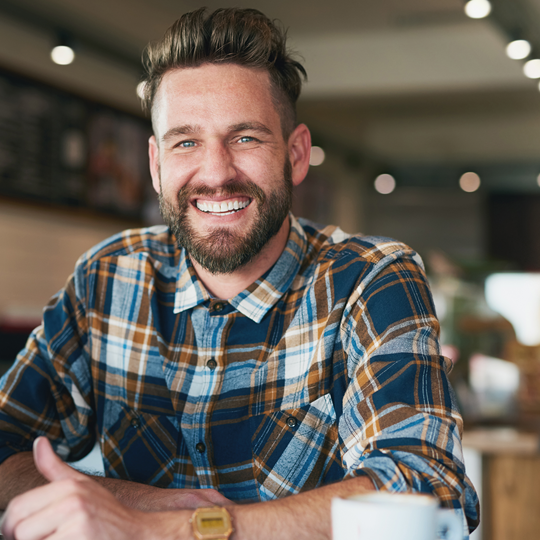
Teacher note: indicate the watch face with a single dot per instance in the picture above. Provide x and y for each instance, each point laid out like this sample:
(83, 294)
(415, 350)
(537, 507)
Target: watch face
(211, 523)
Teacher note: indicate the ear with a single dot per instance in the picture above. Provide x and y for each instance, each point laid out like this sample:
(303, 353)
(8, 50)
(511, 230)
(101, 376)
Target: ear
(299, 152)
(153, 154)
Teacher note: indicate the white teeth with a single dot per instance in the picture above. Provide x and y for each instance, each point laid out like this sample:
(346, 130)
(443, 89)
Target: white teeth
(223, 208)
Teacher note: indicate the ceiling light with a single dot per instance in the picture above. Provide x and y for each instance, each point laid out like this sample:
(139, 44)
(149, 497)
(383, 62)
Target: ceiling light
(385, 184)
(477, 9)
(317, 156)
(532, 69)
(469, 182)
(518, 49)
(62, 55)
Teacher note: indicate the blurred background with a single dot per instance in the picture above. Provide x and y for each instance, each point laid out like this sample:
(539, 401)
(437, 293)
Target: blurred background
(425, 117)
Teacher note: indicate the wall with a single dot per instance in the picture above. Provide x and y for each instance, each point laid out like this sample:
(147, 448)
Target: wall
(431, 219)
(39, 248)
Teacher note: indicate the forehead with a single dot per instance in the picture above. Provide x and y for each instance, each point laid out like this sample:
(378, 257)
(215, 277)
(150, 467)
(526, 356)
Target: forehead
(211, 95)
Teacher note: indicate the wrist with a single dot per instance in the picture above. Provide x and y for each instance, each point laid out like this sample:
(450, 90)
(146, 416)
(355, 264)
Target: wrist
(169, 525)
(211, 523)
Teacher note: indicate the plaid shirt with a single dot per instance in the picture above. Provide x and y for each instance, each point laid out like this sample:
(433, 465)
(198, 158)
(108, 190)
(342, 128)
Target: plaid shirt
(326, 367)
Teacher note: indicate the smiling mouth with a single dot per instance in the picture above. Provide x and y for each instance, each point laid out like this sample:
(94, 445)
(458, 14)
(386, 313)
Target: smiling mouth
(223, 208)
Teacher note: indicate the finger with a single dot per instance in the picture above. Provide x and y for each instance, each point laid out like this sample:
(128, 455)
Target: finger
(43, 523)
(195, 498)
(34, 501)
(216, 497)
(49, 464)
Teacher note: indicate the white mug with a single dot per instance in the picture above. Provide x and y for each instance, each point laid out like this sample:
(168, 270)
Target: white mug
(381, 515)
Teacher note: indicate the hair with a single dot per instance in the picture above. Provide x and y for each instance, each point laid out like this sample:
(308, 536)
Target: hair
(228, 35)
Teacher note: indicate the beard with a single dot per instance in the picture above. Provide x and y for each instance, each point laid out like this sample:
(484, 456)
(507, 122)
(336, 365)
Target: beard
(221, 250)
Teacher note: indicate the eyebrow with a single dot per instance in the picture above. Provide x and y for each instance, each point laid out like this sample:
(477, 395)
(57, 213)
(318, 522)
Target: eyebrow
(192, 129)
(250, 126)
(187, 129)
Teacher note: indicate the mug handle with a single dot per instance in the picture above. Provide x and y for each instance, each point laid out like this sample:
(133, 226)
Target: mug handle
(448, 520)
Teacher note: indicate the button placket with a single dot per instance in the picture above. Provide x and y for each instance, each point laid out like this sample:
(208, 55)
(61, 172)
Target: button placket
(207, 327)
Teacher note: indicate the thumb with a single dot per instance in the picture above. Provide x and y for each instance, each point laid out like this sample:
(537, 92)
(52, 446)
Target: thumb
(49, 464)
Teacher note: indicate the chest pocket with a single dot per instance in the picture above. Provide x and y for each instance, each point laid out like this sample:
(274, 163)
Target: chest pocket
(140, 446)
(295, 449)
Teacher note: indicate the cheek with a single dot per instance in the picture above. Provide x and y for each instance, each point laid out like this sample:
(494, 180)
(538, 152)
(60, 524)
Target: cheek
(174, 174)
(264, 172)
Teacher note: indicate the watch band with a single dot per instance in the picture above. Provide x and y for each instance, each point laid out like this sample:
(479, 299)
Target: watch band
(213, 523)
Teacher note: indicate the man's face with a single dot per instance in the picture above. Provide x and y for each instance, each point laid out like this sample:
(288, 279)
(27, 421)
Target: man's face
(220, 163)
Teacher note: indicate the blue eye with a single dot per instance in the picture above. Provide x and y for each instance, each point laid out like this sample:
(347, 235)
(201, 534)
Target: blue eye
(246, 139)
(187, 144)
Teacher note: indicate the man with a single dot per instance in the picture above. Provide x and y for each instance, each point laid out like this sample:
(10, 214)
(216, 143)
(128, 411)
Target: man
(238, 355)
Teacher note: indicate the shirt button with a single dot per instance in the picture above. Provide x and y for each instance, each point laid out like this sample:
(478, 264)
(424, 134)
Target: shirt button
(212, 364)
(292, 421)
(200, 447)
(135, 423)
(218, 306)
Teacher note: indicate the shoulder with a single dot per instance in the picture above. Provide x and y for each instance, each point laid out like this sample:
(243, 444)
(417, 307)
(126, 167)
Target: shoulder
(156, 243)
(331, 244)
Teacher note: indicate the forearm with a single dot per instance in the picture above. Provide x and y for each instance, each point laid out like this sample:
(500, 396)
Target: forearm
(18, 474)
(302, 516)
(305, 516)
(152, 499)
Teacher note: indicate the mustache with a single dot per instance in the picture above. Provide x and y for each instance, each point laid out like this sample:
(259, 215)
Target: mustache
(247, 189)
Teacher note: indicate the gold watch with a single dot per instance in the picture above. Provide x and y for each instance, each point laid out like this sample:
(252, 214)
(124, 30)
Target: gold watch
(211, 523)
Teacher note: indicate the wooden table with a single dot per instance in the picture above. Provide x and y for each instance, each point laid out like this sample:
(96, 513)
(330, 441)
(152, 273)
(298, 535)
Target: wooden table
(510, 500)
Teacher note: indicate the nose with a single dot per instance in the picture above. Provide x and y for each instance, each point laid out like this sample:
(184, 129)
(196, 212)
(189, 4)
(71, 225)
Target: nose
(216, 167)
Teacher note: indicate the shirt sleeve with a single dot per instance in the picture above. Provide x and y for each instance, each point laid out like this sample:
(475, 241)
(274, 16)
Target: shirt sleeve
(48, 390)
(400, 423)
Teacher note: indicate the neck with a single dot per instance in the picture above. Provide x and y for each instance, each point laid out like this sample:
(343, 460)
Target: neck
(225, 286)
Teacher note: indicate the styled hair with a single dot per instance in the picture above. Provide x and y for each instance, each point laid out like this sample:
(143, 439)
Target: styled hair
(228, 35)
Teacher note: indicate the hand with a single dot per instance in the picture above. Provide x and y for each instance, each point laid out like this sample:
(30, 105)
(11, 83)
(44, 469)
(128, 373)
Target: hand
(71, 506)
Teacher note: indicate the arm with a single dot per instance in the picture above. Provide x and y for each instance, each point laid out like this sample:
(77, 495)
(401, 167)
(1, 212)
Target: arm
(77, 504)
(50, 391)
(400, 424)
(34, 384)
(19, 475)
(303, 516)
(47, 392)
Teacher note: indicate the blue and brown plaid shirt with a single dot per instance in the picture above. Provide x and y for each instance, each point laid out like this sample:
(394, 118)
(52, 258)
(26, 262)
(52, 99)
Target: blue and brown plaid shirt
(326, 367)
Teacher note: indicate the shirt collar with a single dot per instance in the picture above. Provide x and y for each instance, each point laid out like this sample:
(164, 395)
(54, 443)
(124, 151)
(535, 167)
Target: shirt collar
(255, 301)
(190, 292)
